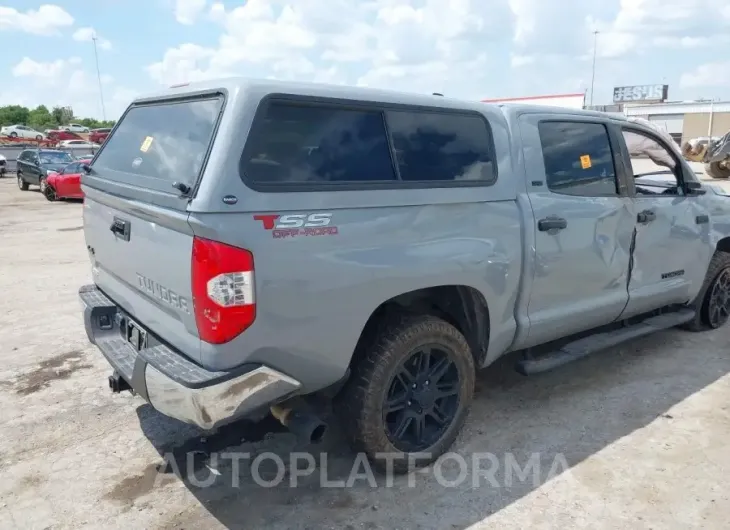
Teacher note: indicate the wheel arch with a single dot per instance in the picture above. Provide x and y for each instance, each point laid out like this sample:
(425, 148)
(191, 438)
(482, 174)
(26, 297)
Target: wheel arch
(723, 245)
(462, 306)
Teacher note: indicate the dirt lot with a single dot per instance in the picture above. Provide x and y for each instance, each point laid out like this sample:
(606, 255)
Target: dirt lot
(641, 431)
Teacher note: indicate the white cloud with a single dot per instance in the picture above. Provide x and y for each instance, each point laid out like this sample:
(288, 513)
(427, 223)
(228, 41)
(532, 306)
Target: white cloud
(27, 67)
(65, 82)
(521, 60)
(641, 24)
(460, 48)
(707, 75)
(188, 11)
(421, 45)
(46, 20)
(87, 35)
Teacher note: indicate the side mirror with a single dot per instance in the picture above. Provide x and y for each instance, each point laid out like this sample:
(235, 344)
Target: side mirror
(692, 187)
(86, 168)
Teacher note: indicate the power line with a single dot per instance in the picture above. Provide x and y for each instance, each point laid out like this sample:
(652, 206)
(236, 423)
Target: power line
(98, 76)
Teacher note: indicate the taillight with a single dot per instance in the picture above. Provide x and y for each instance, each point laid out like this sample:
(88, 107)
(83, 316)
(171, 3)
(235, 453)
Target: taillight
(223, 290)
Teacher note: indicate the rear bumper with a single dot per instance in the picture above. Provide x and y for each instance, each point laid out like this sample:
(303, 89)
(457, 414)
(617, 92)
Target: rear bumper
(173, 384)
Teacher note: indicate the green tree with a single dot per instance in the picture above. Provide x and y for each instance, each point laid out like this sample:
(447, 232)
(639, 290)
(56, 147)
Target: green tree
(40, 118)
(13, 115)
(59, 115)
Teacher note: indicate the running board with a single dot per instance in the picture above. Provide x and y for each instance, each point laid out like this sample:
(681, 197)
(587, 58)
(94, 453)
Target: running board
(600, 341)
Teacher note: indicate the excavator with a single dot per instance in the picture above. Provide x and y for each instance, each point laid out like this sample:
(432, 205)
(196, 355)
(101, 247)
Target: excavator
(714, 153)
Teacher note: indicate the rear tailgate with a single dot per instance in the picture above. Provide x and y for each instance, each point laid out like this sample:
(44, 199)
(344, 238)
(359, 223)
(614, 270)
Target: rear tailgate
(136, 222)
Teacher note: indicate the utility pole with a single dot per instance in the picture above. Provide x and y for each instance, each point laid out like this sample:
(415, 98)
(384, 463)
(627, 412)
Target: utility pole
(98, 76)
(593, 75)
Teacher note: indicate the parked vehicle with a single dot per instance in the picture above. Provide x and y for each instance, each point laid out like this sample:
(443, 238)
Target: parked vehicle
(34, 165)
(76, 128)
(259, 243)
(60, 135)
(3, 166)
(77, 143)
(98, 135)
(21, 131)
(65, 183)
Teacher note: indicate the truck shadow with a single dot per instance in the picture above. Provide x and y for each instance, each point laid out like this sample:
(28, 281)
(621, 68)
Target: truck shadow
(521, 433)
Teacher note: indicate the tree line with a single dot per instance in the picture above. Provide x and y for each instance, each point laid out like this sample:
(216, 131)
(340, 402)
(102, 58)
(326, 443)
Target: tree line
(40, 118)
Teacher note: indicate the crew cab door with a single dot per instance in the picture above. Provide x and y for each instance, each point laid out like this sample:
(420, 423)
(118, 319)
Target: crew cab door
(583, 225)
(671, 248)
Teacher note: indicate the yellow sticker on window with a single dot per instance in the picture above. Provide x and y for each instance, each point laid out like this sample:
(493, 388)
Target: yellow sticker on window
(585, 161)
(146, 144)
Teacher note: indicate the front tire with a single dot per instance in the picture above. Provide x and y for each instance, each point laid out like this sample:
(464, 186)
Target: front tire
(47, 190)
(22, 184)
(716, 171)
(410, 394)
(713, 301)
(13, 134)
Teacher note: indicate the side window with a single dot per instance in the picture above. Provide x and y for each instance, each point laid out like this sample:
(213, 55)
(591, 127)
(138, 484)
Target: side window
(431, 146)
(23, 156)
(578, 159)
(72, 169)
(654, 167)
(303, 143)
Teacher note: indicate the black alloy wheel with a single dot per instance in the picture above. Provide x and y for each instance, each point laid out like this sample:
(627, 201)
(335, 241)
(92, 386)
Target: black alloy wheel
(422, 399)
(718, 303)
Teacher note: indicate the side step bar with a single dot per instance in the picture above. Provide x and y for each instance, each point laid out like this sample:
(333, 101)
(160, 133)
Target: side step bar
(600, 341)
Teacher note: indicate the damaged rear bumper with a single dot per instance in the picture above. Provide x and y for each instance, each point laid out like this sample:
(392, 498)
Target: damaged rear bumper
(172, 383)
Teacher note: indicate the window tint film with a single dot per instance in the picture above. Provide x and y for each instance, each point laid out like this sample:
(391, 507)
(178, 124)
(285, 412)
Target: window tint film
(432, 146)
(294, 143)
(578, 159)
(165, 141)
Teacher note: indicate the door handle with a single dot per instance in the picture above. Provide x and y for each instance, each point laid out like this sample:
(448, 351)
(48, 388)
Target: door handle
(551, 223)
(647, 216)
(702, 219)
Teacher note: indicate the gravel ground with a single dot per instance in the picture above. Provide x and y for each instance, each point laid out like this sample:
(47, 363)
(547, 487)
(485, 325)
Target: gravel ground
(636, 435)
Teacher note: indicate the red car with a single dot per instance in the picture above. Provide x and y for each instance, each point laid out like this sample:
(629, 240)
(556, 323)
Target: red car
(98, 136)
(59, 135)
(66, 184)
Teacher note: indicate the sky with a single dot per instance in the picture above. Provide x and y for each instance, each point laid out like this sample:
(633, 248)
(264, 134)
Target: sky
(471, 49)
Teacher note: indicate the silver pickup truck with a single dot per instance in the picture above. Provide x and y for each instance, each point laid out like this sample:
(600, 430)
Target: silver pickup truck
(257, 243)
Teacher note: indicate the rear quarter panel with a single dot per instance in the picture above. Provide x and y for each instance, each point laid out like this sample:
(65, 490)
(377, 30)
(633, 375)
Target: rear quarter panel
(315, 293)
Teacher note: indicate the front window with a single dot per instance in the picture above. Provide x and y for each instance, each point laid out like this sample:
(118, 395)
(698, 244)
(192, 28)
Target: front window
(655, 168)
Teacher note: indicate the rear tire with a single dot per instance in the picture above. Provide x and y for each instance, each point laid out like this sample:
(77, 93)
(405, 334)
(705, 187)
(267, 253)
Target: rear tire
(410, 394)
(713, 301)
(22, 184)
(39, 138)
(716, 171)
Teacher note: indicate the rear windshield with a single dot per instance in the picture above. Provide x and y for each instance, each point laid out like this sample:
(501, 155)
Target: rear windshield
(166, 142)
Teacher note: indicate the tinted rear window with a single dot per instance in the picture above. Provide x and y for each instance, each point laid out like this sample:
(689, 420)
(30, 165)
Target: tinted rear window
(438, 146)
(298, 143)
(305, 143)
(578, 158)
(163, 141)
